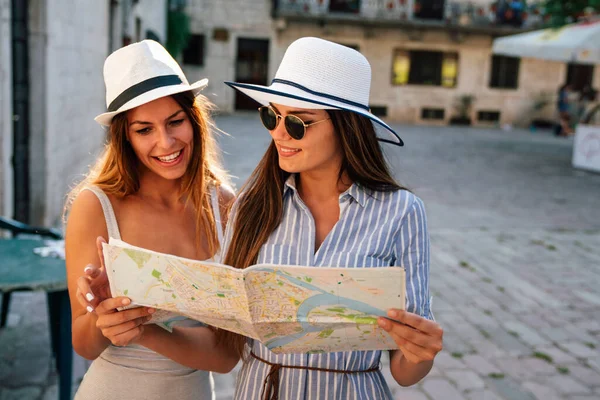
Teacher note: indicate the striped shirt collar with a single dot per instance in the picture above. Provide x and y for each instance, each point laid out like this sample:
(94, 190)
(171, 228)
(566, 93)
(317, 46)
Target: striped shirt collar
(355, 191)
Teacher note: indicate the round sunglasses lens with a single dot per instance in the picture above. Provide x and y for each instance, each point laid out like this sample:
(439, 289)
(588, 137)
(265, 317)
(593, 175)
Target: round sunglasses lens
(294, 127)
(268, 118)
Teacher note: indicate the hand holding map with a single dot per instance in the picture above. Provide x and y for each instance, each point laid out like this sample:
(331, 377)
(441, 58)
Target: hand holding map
(290, 309)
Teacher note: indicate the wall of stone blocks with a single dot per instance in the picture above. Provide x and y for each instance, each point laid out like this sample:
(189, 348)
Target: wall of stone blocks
(404, 103)
(249, 19)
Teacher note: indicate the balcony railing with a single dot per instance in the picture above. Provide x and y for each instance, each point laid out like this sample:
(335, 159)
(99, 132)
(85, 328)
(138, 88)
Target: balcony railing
(481, 15)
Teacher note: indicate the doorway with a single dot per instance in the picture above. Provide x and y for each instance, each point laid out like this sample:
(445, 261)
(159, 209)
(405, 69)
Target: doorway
(251, 66)
(580, 75)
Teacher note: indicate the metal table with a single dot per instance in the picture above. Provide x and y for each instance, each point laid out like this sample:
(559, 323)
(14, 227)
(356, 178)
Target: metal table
(22, 269)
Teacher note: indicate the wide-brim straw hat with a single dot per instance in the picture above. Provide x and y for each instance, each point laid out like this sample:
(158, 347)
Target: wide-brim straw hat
(319, 74)
(140, 73)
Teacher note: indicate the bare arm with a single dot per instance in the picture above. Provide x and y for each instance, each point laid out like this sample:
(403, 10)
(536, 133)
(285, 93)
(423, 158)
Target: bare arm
(86, 223)
(193, 347)
(405, 372)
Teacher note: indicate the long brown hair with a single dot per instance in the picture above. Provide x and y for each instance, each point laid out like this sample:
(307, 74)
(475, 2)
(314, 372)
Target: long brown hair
(117, 173)
(260, 206)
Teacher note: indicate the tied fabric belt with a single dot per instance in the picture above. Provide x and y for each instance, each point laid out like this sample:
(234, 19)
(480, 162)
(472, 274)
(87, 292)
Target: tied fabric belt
(270, 389)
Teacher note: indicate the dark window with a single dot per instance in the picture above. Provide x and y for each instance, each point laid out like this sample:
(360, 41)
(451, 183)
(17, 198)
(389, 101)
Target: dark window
(432, 68)
(433, 113)
(505, 72)
(580, 76)
(380, 111)
(194, 52)
(346, 6)
(430, 9)
(251, 66)
(488, 116)
(425, 68)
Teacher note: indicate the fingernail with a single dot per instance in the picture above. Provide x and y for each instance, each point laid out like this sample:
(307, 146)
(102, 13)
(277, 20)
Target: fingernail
(148, 318)
(382, 322)
(393, 314)
(87, 270)
(126, 301)
(151, 311)
(89, 297)
(89, 309)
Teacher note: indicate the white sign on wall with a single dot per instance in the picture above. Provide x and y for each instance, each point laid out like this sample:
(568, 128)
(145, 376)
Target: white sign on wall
(586, 149)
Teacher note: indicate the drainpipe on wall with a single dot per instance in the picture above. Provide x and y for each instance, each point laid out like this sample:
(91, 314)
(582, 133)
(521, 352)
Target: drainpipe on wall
(20, 84)
(111, 23)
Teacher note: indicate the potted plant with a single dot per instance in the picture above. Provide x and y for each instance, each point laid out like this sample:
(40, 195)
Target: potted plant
(463, 106)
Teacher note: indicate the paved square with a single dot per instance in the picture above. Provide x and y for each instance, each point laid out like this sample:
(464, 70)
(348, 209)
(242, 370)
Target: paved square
(515, 270)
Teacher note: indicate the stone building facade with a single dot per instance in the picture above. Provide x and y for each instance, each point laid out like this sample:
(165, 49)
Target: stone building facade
(425, 63)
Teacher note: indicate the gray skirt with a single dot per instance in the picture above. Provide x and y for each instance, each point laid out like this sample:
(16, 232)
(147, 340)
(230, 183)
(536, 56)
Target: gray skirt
(136, 373)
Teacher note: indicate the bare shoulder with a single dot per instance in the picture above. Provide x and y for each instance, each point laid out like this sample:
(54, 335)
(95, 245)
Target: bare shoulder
(86, 218)
(85, 203)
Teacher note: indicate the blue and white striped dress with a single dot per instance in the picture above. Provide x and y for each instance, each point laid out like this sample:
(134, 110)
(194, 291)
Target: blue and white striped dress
(375, 229)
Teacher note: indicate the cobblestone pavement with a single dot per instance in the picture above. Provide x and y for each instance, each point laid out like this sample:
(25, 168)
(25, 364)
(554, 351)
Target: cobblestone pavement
(515, 270)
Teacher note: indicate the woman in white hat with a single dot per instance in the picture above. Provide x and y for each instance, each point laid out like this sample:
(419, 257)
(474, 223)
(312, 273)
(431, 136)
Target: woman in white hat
(158, 185)
(323, 195)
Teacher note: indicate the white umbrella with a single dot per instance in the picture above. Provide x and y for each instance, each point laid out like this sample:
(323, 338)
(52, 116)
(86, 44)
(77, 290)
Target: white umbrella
(578, 43)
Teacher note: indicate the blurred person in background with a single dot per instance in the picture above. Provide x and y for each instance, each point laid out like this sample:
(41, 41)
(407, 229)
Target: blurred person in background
(564, 108)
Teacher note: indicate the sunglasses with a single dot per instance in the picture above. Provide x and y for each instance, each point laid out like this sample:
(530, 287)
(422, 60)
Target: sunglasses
(294, 126)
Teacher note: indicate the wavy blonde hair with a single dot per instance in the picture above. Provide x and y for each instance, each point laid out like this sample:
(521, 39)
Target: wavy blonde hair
(116, 171)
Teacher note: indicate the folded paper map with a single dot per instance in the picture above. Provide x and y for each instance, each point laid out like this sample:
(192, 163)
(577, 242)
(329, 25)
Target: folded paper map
(290, 309)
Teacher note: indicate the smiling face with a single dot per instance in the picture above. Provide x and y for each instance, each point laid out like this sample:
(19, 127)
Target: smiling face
(161, 135)
(319, 149)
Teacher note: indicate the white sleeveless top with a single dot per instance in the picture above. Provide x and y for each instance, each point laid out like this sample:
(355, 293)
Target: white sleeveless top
(135, 372)
(111, 220)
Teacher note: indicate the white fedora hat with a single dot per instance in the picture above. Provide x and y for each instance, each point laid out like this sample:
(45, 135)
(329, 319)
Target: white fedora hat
(319, 74)
(140, 73)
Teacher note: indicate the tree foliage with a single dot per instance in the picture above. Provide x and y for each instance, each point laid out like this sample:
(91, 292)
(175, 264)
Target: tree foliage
(562, 12)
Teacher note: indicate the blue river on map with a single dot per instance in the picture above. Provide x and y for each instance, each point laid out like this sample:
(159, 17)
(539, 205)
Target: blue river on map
(318, 300)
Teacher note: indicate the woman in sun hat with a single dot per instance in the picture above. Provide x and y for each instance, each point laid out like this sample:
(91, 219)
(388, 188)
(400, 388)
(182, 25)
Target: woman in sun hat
(158, 185)
(323, 195)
